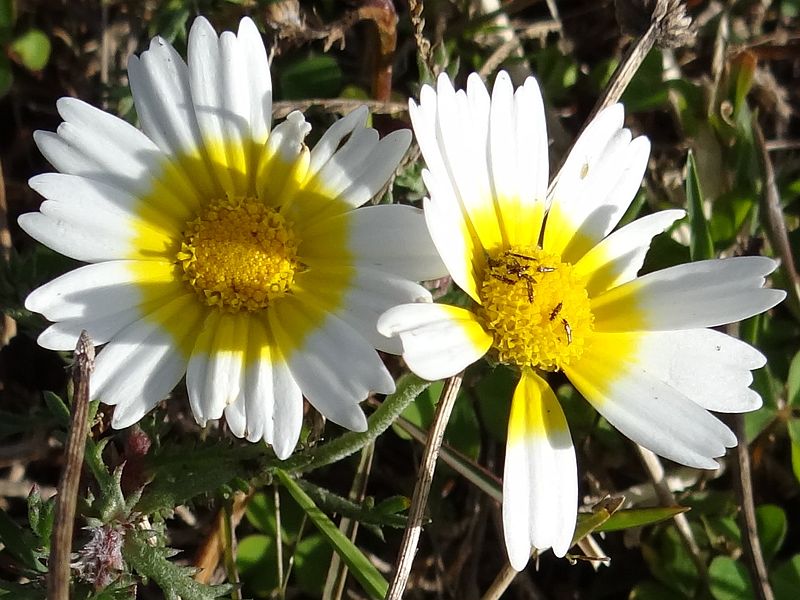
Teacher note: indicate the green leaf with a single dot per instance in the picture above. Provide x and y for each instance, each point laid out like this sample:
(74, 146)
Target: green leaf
(333, 503)
(794, 439)
(363, 570)
(313, 77)
(58, 408)
(793, 382)
(637, 517)
(41, 514)
(33, 49)
(20, 543)
(174, 581)
(256, 559)
(728, 579)
(785, 579)
(7, 15)
(772, 526)
(701, 246)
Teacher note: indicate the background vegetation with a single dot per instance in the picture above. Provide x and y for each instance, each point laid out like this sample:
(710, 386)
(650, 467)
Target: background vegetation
(165, 498)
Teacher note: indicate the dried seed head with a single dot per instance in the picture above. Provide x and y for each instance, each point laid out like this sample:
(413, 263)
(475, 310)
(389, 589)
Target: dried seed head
(673, 27)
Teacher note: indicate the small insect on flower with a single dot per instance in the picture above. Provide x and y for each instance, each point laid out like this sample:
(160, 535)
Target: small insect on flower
(639, 349)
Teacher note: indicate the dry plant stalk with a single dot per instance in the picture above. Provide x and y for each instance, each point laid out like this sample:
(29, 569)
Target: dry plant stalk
(419, 500)
(58, 578)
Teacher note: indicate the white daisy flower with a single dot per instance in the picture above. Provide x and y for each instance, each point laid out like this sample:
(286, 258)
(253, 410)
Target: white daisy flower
(223, 249)
(555, 290)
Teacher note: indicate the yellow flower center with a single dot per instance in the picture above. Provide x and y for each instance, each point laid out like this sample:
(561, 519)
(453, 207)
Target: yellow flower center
(239, 254)
(535, 307)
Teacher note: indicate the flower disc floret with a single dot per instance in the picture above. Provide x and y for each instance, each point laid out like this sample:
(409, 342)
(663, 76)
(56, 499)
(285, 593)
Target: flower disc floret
(535, 307)
(239, 254)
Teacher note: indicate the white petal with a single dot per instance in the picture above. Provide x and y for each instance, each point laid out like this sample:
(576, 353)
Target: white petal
(597, 184)
(130, 171)
(701, 294)
(333, 136)
(438, 340)
(388, 237)
(260, 81)
(220, 94)
(375, 171)
(236, 417)
(92, 242)
(64, 334)
(452, 132)
(143, 362)
(100, 289)
(287, 420)
(283, 148)
(540, 480)
(215, 373)
(618, 258)
(518, 164)
(371, 294)
(707, 366)
(159, 81)
(334, 366)
(341, 170)
(647, 410)
(532, 143)
(274, 403)
(451, 235)
(95, 144)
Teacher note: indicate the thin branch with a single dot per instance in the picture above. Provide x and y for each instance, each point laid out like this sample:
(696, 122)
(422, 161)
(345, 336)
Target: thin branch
(500, 584)
(419, 500)
(61, 544)
(337, 570)
(667, 27)
(751, 547)
(655, 469)
(775, 224)
(337, 106)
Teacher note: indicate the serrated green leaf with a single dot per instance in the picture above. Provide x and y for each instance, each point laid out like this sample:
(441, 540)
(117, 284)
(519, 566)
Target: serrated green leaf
(637, 517)
(701, 247)
(728, 579)
(41, 514)
(333, 503)
(33, 49)
(361, 568)
(175, 581)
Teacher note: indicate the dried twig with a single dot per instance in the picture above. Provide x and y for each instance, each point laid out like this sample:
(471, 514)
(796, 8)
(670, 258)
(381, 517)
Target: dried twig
(773, 221)
(416, 513)
(660, 23)
(655, 469)
(337, 571)
(415, 9)
(338, 106)
(61, 544)
(751, 547)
